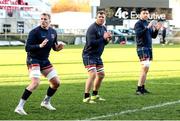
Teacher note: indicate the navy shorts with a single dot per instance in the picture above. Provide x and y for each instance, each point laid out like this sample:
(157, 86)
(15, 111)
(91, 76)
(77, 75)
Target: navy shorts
(144, 53)
(88, 61)
(44, 64)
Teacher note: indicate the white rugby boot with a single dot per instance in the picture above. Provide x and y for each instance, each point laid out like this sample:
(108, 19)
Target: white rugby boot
(20, 111)
(47, 105)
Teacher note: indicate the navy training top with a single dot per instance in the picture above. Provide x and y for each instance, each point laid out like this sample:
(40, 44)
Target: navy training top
(36, 37)
(95, 42)
(144, 35)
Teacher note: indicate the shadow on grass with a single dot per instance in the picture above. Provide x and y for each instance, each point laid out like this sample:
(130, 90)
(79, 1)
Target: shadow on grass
(120, 96)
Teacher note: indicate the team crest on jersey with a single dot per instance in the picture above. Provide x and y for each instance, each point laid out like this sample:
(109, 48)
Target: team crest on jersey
(52, 36)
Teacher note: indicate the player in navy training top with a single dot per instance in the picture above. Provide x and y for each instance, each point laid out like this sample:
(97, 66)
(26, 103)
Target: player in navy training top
(38, 46)
(144, 34)
(96, 39)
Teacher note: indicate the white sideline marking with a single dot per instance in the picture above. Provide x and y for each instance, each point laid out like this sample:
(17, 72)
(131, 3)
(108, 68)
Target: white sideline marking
(164, 83)
(135, 110)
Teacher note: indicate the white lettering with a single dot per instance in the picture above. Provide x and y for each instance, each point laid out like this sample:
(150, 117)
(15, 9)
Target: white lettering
(118, 13)
(133, 15)
(121, 14)
(125, 15)
(157, 16)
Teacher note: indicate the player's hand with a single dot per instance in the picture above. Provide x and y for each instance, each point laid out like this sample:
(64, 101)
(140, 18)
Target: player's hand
(158, 25)
(43, 43)
(107, 36)
(151, 24)
(59, 46)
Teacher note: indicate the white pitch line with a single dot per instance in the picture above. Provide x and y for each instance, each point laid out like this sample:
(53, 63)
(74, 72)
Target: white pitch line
(164, 83)
(135, 110)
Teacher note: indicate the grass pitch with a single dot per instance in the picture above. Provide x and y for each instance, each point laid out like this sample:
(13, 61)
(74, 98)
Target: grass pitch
(122, 72)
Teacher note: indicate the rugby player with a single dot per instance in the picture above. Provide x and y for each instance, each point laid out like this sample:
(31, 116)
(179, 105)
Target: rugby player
(144, 34)
(38, 46)
(96, 39)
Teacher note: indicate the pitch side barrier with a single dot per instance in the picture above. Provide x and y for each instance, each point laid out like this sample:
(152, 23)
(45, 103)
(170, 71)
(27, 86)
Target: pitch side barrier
(10, 38)
(70, 38)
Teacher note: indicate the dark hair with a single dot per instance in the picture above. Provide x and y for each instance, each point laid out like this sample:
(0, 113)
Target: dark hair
(143, 9)
(46, 14)
(101, 12)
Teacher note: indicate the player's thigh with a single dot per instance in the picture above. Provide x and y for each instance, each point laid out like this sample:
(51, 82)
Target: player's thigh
(144, 53)
(48, 71)
(33, 68)
(90, 63)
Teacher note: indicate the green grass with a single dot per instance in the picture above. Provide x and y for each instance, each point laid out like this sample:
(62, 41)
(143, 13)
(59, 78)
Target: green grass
(122, 72)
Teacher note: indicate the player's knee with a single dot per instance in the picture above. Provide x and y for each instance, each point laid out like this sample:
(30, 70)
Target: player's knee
(146, 69)
(101, 74)
(92, 73)
(34, 84)
(55, 83)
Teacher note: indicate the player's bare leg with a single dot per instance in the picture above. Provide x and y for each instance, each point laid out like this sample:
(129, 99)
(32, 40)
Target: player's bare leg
(54, 81)
(35, 74)
(88, 85)
(98, 80)
(96, 86)
(97, 83)
(141, 82)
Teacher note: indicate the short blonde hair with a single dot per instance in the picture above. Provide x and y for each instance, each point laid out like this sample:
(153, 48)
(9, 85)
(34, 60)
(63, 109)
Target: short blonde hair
(46, 14)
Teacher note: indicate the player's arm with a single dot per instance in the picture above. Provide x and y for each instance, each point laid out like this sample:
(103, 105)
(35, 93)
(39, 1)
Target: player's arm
(59, 47)
(30, 44)
(140, 30)
(156, 29)
(56, 46)
(92, 37)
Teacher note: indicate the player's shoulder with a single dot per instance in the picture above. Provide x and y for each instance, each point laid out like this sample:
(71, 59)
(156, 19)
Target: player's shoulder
(138, 23)
(52, 30)
(91, 28)
(34, 30)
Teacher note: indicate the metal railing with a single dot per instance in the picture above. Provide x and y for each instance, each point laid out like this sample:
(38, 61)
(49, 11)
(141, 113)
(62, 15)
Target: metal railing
(66, 38)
